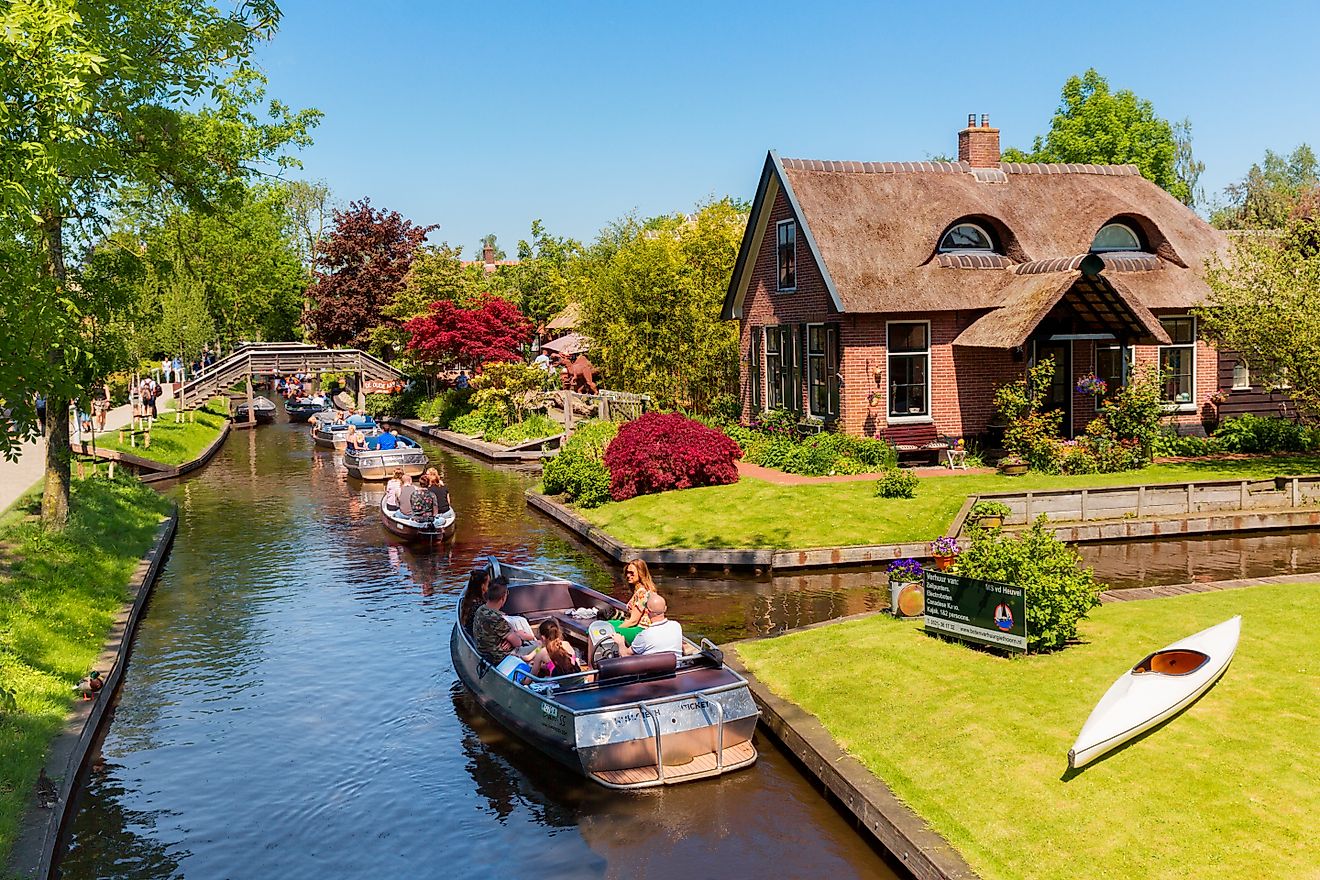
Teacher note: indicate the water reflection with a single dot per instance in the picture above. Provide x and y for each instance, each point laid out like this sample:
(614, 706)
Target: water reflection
(1189, 560)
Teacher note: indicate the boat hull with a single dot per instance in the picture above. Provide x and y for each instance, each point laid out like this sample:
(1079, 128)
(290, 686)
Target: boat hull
(303, 412)
(1140, 701)
(380, 464)
(411, 532)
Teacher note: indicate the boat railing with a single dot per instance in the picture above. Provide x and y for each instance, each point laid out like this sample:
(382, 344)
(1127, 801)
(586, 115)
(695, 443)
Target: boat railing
(659, 745)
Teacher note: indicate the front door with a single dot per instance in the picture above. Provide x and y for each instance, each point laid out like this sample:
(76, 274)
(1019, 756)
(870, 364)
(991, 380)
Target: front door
(1059, 394)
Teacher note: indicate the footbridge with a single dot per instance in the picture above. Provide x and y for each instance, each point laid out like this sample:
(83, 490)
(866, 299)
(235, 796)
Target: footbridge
(268, 358)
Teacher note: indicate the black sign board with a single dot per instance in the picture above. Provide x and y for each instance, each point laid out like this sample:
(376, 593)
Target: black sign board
(974, 610)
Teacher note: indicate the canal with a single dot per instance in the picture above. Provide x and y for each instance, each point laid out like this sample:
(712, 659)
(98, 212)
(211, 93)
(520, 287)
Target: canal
(290, 710)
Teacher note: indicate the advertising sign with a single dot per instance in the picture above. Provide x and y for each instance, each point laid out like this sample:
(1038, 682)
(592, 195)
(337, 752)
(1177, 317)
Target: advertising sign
(985, 612)
(372, 386)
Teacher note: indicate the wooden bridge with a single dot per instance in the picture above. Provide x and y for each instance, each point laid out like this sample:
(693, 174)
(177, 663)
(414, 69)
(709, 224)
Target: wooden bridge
(284, 358)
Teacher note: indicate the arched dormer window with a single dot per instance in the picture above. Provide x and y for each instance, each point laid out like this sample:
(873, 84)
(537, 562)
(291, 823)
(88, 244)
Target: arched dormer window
(967, 238)
(1116, 237)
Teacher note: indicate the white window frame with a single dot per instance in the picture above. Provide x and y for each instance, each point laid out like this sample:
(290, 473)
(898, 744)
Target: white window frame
(1190, 405)
(778, 226)
(929, 417)
(767, 396)
(1245, 384)
(1132, 230)
(979, 228)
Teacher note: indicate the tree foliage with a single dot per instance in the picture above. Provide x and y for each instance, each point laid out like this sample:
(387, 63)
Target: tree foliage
(362, 266)
(449, 334)
(1274, 190)
(547, 272)
(652, 299)
(1095, 125)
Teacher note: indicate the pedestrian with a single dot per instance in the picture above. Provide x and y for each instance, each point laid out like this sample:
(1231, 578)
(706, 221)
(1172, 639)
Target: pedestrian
(101, 404)
(148, 390)
(41, 414)
(178, 368)
(165, 366)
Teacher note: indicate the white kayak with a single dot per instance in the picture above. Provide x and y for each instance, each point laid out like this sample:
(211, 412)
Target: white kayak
(1157, 688)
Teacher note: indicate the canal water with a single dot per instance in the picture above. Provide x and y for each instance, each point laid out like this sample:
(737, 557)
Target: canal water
(290, 709)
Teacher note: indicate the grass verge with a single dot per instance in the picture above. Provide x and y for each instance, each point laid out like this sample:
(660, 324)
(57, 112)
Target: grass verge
(58, 594)
(173, 444)
(756, 514)
(977, 744)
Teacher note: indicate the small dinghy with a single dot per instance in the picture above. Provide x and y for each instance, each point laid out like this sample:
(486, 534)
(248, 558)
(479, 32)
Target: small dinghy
(1157, 688)
(632, 722)
(380, 464)
(262, 409)
(301, 409)
(400, 524)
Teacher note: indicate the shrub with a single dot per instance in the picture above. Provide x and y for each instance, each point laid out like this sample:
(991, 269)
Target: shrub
(591, 438)
(445, 407)
(1134, 411)
(483, 421)
(584, 481)
(662, 451)
(510, 387)
(1249, 433)
(1170, 443)
(403, 405)
(897, 483)
(531, 428)
(1060, 592)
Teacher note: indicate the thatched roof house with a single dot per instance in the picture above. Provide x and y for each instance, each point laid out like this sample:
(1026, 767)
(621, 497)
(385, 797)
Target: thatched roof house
(894, 296)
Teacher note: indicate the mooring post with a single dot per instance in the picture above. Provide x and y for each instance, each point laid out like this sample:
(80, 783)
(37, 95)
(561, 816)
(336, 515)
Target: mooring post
(361, 391)
(252, 413)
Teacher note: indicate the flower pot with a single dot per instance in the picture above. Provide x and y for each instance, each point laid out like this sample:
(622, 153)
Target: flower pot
(1013, 470)
(990, 522)
(944, 563)
(907, 598)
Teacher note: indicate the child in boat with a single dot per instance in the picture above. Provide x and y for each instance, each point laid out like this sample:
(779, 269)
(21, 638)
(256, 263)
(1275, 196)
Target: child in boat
(554, 655)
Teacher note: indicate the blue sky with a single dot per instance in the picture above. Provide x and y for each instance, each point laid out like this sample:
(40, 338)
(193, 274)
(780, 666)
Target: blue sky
(484, 116)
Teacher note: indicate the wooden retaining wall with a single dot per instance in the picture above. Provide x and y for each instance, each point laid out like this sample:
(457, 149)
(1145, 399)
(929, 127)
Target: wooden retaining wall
(547, 447)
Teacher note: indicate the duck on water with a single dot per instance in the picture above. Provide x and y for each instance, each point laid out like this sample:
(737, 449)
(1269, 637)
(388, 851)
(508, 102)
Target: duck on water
(634, 721)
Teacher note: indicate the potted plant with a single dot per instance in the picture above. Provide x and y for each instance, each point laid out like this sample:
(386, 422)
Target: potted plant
(989, 514)
(1012, 465)
(945, 550)
(907, 597)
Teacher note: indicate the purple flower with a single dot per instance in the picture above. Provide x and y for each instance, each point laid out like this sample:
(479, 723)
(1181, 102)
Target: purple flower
(905, 570)
(944, 546)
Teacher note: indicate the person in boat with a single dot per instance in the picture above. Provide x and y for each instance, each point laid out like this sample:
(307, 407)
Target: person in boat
(422, 507)
(406, 496)
(473, 596)
(339, 416)
(438, 490)
(643, 587)
(553, 655)
(356, 439)
(494, 636)
(392, 490)
(387, 439)
(662, 635)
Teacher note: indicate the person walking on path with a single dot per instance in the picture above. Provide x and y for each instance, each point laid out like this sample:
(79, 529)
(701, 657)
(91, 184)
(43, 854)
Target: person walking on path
(101, 405)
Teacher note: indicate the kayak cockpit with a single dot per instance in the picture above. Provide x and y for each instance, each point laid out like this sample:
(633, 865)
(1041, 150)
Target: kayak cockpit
(1179, 661)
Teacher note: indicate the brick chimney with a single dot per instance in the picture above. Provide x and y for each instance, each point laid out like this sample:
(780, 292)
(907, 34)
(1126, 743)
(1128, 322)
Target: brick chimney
(488, 250)
(978, 145)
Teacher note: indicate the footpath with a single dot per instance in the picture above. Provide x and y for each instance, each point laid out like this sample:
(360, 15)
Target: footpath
(16, 477)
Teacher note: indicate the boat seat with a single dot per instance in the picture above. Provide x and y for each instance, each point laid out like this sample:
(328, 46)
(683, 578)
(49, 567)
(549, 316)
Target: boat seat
(659, 664)
(526, 599)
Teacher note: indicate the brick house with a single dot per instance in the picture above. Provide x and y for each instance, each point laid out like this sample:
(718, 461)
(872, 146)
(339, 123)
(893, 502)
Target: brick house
(892, 298)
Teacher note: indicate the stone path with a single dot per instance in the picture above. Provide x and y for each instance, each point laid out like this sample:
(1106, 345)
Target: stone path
(16, 477)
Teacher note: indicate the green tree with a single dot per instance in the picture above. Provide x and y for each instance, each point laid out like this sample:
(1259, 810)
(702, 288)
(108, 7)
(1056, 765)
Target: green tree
(101, 95)
(547, 273)
(1271, 192)
(1094, 125)
(437, 274)
(651, 304)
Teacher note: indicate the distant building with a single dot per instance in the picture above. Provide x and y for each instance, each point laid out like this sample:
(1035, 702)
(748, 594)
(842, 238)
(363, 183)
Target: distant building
(488, 263)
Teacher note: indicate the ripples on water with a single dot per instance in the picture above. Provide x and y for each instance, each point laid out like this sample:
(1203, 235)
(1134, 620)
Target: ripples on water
(290, 710)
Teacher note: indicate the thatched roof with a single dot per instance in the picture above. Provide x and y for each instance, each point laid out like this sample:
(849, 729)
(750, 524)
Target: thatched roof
(875, 227)
(569, 318)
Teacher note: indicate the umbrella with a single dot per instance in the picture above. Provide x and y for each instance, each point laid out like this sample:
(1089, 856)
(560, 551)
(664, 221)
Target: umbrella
(573, 343)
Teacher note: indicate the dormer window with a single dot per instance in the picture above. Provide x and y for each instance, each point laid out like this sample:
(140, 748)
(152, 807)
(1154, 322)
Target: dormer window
(1116, 237)
(966, 238)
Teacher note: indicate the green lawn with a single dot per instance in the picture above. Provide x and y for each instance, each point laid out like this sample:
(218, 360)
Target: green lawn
(172, 444)
(977, 745)
(754, 513)
(57, 598)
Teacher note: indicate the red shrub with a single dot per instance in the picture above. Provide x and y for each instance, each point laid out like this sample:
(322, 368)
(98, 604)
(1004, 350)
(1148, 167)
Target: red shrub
(662, 451)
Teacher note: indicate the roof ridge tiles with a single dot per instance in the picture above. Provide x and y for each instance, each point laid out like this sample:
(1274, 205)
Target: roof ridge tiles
(932, 166)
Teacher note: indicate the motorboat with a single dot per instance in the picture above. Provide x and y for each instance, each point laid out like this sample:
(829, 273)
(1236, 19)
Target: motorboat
(400, 524)
(301, 409)
(631, 722)
(262, 410)
(1156, 689)
(380, 464)
(334, 435)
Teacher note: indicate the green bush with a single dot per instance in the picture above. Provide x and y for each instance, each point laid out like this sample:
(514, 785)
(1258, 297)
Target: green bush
(578, 471)
(482, 421)
(1249, 433)
(816, 455)
(897, 483)
(1134, 412)
(590, 438)
(1060, 592)
(530, 428)
(1170, 443)
(403, 405)
(445, 407)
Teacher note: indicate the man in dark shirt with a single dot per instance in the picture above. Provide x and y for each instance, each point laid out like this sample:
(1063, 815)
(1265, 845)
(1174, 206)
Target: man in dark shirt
(494, 637)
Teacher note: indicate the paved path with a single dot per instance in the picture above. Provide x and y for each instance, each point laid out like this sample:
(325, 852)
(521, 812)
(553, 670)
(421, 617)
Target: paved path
(16, 477)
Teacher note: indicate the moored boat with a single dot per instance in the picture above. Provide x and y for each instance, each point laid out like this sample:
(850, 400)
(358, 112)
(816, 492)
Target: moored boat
(400, 524)
(334, 435)
(380, 464)
(262, 409)
(632, 722)
(301, 409)
(1156, 689)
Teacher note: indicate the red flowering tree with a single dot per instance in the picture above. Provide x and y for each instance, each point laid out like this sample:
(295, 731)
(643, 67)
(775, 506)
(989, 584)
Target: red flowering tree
(449, 333)
(662, 451)
(361, 266)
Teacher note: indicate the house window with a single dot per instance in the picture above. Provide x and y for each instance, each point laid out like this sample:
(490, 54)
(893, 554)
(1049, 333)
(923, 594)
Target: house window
(1115, 237)
(823, 370)
(1178, 363)
(754, 366)
(774, 368)
(966, 238)
(787, 254)
(909, 370)
(1241, 376)
(1113, 363)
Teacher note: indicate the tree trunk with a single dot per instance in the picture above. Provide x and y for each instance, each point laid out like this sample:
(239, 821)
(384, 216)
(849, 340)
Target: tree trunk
(55, 495)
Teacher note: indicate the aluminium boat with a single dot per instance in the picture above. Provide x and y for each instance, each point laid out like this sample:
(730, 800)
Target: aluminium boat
(380, 464)
(262, 409)
(334, 435)
(1156, 689)
(403, 526)
(632, 722)
(301, 409)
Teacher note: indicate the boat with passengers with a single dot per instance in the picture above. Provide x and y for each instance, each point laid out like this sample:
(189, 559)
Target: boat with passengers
(374, 463)
(302, 409)
(334, 435)
(636, 721)
(401, 525)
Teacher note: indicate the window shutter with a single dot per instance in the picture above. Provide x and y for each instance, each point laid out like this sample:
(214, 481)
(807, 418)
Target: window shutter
(754, 368)
(833, 359)
(799, 367)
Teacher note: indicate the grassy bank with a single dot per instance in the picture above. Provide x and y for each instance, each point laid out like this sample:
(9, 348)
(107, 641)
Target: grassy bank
(57, 597)
(173, 444)
(754, 513)
(977, 745)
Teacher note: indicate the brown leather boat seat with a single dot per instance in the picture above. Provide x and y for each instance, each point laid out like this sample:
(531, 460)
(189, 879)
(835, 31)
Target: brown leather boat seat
(659, 664)
(545, 596)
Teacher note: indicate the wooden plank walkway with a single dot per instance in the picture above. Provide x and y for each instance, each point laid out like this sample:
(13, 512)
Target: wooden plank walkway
(1171, 590)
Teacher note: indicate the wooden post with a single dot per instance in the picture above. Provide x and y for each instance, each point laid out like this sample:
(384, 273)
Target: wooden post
(1190, 489)
(1296, 493)
(1083, 505)
(1028, 510)
(1141, 500)
(1242, 497)
(252, 413)
(361, 391)
(112, 469)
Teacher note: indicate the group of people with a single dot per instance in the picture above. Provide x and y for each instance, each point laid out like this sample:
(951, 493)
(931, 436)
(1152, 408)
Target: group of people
(386, 439)
(420, 501)
(644, 629)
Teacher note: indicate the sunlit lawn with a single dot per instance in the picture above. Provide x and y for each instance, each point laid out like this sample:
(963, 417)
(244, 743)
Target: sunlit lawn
(57, 598)
(171, 443)
(755, 513)
(977, 745)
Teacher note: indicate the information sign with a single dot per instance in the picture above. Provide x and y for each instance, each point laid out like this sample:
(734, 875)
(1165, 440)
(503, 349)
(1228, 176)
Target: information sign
(974, 610)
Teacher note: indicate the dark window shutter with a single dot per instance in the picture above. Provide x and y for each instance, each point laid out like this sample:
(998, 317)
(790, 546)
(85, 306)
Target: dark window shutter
(833, 359)
(754, 367)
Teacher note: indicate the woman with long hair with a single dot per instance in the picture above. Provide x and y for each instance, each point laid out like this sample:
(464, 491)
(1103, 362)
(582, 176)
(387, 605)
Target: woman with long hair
(553, 656)
(473, 595)
(637, 618)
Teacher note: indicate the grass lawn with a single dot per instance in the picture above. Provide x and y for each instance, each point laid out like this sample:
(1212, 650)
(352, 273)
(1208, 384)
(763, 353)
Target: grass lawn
(57, 597)
(172, 444)
(754, 513)
(977, 744)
